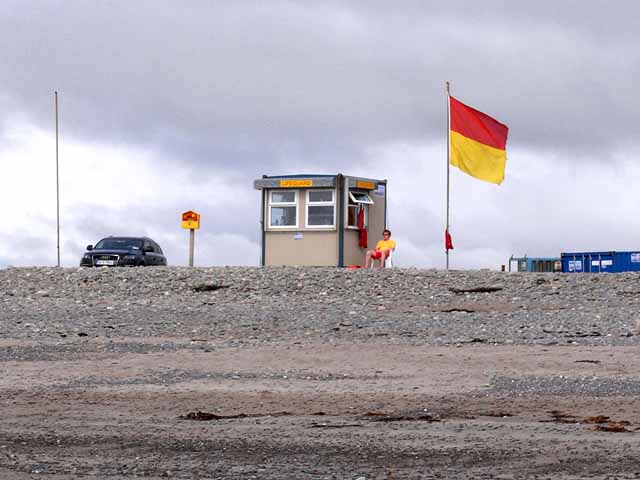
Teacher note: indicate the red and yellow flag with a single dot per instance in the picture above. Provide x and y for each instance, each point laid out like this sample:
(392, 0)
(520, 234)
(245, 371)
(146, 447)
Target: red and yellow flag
(477, 142)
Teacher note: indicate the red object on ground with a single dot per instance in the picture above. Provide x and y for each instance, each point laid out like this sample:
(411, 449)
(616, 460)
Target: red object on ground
(362, 242)
(448, 242)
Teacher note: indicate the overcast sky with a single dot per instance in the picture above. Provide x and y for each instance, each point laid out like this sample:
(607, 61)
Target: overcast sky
(168, 106)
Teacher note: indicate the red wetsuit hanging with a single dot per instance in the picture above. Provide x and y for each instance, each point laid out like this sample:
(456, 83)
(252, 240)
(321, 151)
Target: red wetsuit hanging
(363, 231)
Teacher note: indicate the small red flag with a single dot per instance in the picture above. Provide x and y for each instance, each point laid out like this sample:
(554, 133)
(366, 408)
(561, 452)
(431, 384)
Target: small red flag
(448, 242)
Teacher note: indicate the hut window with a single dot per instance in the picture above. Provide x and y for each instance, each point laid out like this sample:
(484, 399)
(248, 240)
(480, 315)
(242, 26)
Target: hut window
(321, 208)
(357, 200)
(360, 197)
(283, 208)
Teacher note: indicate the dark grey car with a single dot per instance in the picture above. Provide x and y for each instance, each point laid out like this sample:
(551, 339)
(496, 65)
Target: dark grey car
(123, 252)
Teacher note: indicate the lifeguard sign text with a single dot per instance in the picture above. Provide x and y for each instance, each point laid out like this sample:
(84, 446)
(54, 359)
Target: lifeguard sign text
(190, 220)
(296, 183)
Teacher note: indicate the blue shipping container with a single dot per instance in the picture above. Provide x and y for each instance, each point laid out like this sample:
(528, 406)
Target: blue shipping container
(600, 262)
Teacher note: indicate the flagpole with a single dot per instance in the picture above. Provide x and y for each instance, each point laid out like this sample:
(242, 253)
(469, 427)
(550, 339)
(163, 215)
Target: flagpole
(448, 154)
(57, 184)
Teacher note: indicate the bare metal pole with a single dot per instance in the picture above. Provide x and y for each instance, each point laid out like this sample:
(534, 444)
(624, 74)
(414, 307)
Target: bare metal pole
(192, 241)
(57, 185)
(448, 155)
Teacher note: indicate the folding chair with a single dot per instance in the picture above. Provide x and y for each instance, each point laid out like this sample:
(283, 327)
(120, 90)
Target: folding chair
(388, 262)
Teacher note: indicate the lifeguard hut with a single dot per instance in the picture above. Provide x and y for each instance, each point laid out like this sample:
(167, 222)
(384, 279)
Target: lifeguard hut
(318, 220)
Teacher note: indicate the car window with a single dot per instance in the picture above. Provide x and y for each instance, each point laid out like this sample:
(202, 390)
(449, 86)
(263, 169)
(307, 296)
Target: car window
(115, 243)
(158, 249)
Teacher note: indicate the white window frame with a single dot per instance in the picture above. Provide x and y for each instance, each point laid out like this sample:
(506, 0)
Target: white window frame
(365, 204)
(271, 203)
(368, 200)
(332, 203)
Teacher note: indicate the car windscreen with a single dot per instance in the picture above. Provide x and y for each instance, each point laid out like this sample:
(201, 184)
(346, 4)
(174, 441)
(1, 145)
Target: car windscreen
(119, 244)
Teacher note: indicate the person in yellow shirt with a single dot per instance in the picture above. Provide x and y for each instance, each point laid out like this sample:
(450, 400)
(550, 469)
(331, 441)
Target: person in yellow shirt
(383, 248)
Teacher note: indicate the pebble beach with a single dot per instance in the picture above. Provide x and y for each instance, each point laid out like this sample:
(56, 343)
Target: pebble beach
(477, 351)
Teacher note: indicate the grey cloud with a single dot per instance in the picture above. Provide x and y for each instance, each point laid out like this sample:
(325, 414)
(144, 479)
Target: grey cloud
(243, 84)
(23, 248)
(87, 227)
(144, 219)
(247, 88)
